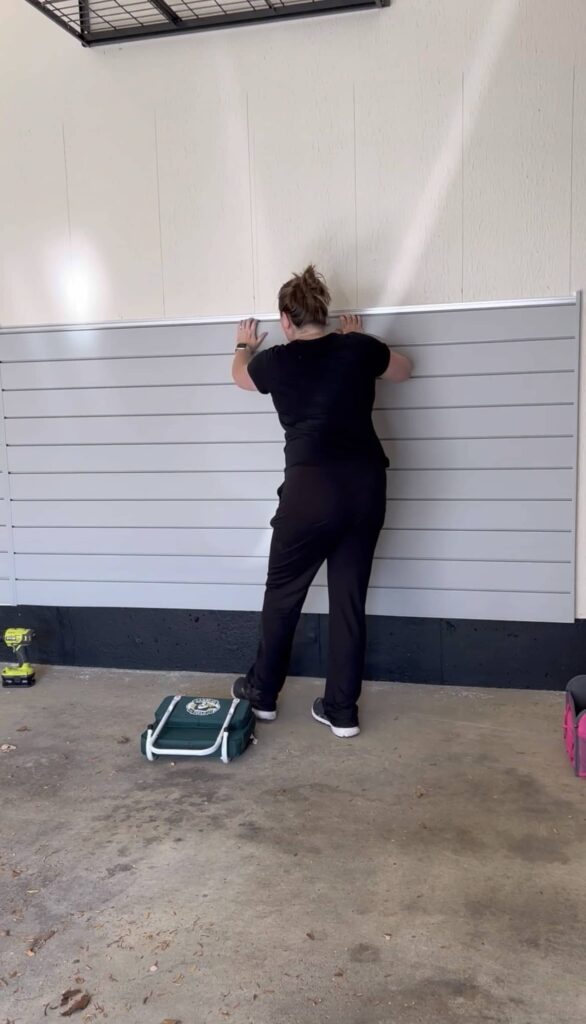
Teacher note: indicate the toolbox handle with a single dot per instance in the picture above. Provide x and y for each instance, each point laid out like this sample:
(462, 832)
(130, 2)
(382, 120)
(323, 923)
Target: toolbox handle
(221, 739)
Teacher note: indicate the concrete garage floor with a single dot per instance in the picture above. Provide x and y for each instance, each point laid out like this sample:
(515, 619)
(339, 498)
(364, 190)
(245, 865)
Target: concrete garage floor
(431, 872)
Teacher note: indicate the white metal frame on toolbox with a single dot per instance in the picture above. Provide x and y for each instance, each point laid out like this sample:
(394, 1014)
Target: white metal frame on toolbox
(562, 300)
(153, 752)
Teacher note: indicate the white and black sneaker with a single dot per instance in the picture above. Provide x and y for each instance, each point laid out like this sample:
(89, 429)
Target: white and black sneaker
(242, 689)
(343, 732)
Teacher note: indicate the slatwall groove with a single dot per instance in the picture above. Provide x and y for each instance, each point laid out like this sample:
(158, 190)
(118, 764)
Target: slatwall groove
(447, 454)
(137, 470)
(416, 545)
(448, 343)
(441, 590)
(217, 383)
(479, 590)
(472, 529)
(481, 561)
(491, 373)
(260, 412)
(398, 424)
(227, 400)
(394, 529)
(470, 605)
(463, 360)
(520, 577)
(229, 349)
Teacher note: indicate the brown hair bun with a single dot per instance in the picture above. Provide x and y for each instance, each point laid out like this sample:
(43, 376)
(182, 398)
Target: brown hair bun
(305, 298)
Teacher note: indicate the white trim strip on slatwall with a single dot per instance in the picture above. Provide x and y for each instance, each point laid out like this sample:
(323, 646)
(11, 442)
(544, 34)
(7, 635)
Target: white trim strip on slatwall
(577, 442)
(7, 502)
(565, 300)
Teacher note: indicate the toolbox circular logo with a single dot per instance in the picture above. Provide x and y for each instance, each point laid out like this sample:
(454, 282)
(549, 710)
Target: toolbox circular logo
(203, 706)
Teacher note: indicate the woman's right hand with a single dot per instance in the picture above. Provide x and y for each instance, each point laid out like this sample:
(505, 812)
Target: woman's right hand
(246, 334)
(351, 323)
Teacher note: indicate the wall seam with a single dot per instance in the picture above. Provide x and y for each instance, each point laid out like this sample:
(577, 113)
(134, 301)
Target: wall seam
(252, 205)
(67, 201)
(463, 182)
(163, 290)
(572, 146)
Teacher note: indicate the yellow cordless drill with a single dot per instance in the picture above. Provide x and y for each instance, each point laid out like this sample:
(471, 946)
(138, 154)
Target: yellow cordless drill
(23, 673)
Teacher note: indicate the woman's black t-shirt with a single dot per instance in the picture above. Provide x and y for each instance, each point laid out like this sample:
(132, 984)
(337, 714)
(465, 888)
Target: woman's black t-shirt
(323, 391)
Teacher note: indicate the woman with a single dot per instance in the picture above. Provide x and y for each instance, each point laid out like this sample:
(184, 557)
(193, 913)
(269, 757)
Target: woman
(332, 502)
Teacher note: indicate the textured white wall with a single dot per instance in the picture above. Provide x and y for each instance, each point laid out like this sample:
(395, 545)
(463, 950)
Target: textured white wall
(431, 152)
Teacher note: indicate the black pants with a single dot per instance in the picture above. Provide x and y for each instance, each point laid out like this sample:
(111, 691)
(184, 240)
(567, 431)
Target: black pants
(331, 514)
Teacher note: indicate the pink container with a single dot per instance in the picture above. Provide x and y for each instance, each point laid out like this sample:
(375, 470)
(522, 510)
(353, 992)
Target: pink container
(575, 724)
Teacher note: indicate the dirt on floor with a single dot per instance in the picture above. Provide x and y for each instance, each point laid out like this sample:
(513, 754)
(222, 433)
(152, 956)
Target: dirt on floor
(432, 871)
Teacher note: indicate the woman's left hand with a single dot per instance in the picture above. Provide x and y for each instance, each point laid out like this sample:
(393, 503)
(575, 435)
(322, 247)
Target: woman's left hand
(246, 334)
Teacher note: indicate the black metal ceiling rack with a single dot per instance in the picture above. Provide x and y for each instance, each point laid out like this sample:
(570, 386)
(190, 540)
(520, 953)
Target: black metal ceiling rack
(97, 22)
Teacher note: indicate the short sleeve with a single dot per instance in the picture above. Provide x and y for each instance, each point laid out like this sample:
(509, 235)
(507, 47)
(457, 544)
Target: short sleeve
(378, 355)
(261, 371)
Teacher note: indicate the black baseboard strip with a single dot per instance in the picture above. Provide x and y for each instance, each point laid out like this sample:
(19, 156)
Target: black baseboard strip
(522, 655)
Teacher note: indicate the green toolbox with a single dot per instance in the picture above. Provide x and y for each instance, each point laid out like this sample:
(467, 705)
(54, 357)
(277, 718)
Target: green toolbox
(199, 727)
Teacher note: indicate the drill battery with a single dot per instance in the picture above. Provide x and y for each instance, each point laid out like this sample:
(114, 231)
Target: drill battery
(23, 673)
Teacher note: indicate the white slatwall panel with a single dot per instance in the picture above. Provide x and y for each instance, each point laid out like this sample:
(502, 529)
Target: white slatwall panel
(495, 391)
(266, 459)
(534, 607)
(38, 482)
(508, 515)
(402, 423)
(542, 356)
(7, 569)
(139, 475)
(425, 544)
